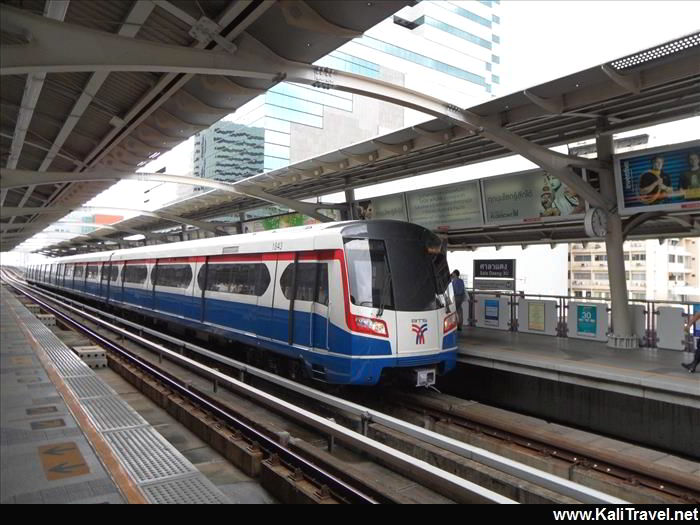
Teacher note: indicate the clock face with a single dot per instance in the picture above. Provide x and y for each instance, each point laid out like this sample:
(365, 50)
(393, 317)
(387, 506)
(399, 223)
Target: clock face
(596, 223)
(599, 222)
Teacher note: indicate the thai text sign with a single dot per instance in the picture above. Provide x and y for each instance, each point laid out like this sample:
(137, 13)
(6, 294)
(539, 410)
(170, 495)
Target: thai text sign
(447, 207)
(501, 268)
(531, 196)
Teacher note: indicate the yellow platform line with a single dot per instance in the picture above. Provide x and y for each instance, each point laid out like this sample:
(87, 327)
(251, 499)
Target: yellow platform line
(128, 487)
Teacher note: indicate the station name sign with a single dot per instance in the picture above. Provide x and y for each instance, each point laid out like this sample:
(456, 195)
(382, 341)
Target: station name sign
(494, 268)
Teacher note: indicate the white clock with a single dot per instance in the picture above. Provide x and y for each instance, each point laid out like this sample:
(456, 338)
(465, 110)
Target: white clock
(595, 222)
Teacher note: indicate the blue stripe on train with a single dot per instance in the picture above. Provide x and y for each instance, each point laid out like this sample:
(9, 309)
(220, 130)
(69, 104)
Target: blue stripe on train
(271, 325)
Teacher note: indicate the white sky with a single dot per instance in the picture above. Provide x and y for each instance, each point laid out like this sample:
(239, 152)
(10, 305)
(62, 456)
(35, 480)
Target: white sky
(540, 41)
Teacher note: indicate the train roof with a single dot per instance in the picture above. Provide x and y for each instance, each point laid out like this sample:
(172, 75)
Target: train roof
(324, 236)
(245, 242)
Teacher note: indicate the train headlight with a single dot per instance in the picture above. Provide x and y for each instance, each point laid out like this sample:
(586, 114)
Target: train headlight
(369, 326)
(450, 323)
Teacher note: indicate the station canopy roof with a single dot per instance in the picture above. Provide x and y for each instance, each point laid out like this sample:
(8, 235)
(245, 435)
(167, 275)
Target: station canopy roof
(653, 86)
(80, 121)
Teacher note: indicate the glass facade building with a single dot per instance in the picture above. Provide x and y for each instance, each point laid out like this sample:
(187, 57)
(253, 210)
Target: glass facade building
(446, 48)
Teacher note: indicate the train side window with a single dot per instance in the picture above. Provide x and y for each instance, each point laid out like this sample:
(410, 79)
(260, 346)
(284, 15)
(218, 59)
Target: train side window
(79, 272)
(69, 272)
(135, 274)
(104, 272)
(172, 275)
(245, 279)
(306, 282)
(322, 291)
(92, 272)
(114, 273)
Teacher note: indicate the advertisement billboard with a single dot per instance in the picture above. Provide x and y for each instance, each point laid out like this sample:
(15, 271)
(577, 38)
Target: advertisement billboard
(535, 316)
(659, 179)
(491, 312)
(386, 207)
(586, 320)
(447, 207)
(284, 221)
(529, 196)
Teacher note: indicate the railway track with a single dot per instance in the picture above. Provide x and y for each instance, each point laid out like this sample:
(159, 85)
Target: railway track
(538, 442)
(359, 423)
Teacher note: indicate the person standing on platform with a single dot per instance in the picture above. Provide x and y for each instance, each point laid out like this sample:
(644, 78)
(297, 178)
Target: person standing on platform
(460, 296)
(691, 322)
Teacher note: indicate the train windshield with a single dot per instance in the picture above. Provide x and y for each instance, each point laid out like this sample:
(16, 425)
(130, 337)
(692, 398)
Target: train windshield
(398, 274)
(370, 277)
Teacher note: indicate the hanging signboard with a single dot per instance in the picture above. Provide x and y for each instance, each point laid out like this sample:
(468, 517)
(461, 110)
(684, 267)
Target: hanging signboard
(387, 207)
(447, 207)
(529, 196)
(659, 179)
(489, 268)
(495, 284)
(284, 221)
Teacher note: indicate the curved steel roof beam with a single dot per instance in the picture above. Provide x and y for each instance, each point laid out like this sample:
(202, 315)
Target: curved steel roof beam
(202, 225)
(20, 178)
(115, 227)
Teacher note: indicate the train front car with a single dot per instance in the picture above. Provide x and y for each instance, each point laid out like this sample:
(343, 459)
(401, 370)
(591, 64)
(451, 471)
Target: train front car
(398, 311)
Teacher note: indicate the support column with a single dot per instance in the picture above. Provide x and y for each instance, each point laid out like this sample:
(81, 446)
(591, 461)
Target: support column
(350, 200)
(622, 335)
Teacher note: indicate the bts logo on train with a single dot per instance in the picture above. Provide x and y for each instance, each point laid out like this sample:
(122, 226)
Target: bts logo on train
(419, 326)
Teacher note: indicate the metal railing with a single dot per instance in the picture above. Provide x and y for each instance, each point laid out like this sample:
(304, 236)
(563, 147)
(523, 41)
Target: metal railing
(651, 312)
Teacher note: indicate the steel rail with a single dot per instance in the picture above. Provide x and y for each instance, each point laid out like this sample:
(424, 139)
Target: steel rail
(336, 486)
(519, 470)
(464, 490)
(658, 477)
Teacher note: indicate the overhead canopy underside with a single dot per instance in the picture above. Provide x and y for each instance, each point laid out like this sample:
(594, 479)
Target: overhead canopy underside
(650, 87)
(73, 122)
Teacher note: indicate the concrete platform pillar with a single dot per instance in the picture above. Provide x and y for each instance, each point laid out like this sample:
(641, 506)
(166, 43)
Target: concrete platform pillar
(622, 335)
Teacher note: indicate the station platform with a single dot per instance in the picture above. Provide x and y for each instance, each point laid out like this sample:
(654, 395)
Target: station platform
(645, 372)
(68, 437)
(643, 396)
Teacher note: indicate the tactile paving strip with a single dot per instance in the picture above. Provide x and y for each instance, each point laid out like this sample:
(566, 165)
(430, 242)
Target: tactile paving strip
(163, 474)
(147, 455)
(67, 366)
(188, 490)
(109, 413)
(88, 386)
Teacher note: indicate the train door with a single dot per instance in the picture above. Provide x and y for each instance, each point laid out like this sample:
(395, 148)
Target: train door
(279, 324)
(267, 281)
(298, 284)
(320, 316)
(106, 280)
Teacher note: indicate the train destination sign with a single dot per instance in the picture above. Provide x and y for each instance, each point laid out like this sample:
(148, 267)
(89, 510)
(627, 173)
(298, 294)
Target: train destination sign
(499, 268)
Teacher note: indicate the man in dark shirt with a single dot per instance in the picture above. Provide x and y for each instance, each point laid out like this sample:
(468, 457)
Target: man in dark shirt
(460, 295)
(655, 184)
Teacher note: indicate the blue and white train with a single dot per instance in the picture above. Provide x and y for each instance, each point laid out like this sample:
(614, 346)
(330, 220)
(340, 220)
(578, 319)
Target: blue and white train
(348, 302)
